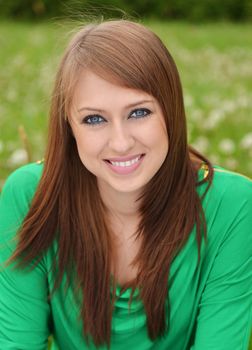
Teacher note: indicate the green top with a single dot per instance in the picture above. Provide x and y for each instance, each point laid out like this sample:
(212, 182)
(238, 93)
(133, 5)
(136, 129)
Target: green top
(211, 307)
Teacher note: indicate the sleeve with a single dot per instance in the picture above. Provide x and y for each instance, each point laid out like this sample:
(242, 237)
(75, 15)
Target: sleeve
(24, 309)
(225, 312)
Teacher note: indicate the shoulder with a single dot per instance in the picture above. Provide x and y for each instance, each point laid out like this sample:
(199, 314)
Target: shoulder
(20, 186)
(16, 197)
(230, 188)
(227, 178)
(228, 208)
(26, 174)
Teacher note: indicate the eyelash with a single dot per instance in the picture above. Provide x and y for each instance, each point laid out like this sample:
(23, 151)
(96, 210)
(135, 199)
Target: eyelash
(87, 120)
(145, 110)
(100, 120)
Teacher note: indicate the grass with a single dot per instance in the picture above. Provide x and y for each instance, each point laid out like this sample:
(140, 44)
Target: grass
(214, 61)
(216, 71)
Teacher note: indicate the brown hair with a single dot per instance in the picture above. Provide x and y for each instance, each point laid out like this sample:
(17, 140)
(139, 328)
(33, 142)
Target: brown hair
(63, 206)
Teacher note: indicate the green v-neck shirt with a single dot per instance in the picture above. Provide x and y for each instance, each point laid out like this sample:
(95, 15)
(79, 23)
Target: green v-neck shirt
(210, 305)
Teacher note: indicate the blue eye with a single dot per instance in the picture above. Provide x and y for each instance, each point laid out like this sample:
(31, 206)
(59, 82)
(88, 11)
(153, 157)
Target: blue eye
(94, 119)
(140, 113)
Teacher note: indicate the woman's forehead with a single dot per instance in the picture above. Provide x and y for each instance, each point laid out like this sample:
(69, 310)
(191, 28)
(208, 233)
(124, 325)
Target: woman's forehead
(95, 91)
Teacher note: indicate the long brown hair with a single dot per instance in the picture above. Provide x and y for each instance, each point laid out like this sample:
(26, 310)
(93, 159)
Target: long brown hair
(67, 206)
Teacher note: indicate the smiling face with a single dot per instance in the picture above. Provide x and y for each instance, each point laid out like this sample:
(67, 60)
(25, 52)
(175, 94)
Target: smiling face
(120, 133)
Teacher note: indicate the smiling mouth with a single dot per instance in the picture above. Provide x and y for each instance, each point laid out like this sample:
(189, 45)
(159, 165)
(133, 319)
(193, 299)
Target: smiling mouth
(126, 163)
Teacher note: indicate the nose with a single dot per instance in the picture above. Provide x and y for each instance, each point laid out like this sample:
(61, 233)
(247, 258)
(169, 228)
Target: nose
(121, 139)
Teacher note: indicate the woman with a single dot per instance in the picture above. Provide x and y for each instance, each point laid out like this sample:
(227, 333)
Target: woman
(126, 236)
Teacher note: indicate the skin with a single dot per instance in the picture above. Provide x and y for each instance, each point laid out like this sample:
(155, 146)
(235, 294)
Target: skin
(114, 123)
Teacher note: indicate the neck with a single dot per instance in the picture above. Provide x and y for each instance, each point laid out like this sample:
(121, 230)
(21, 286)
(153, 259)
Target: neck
(120, 204)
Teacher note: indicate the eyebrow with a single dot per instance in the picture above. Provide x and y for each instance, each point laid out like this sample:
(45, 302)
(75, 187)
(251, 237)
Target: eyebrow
(103, 111)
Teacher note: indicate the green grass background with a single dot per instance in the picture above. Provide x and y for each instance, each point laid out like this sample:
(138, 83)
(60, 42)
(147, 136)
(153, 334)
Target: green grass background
(214, 60)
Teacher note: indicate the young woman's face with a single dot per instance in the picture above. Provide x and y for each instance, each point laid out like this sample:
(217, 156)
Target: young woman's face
(120, 133)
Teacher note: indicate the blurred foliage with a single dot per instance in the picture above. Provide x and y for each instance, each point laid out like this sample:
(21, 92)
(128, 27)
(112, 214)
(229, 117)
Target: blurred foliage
(214, 61)
(192, 10)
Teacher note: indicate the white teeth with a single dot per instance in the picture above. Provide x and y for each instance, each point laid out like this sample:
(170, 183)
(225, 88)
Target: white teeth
(127, 163)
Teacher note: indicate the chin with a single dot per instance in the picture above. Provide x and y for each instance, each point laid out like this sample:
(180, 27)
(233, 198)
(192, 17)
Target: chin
(129, 188)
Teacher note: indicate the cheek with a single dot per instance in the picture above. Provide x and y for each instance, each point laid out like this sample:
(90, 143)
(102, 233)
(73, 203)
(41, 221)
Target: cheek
(157, 136)
(161, 144)
(89, 146)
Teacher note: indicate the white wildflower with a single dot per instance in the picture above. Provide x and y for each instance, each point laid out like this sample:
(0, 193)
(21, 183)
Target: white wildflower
(19, 60)
(11, 94)
(201, 143)
(188, 99)
(231, 163)
(243, 101)
(229, 106)
(214, 118)
(196, 115)
(18, 157)
(246, 142)
(227, 146)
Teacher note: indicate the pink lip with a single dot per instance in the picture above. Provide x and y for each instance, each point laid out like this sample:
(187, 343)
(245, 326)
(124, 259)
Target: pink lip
(124, 170)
